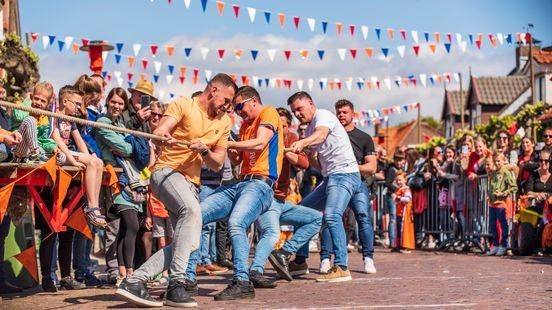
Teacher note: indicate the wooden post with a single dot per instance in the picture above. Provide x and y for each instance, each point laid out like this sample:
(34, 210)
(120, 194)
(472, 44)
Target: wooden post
(461, 103)
(387, 136)
(419, 123)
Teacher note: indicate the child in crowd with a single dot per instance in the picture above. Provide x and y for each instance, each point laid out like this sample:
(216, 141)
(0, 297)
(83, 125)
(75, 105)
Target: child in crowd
(405, 224)
(36, 130)
(69, 141)
(501, 184)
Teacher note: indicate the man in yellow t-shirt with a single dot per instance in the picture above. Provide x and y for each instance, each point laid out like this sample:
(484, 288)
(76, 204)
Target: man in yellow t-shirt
(260, 152)
(203, 122)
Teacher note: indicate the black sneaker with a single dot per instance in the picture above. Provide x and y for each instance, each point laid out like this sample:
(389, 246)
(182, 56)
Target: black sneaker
(137, 294)
(280, 261)
(237, 290)
(8, 288)
(69, 283)
(178, 296)
(190, 287)
(48, 285)
(92, 281)
(225, 263)
(259, 281)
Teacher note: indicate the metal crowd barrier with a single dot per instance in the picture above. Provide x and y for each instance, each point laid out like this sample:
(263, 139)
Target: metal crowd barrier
(435, 222)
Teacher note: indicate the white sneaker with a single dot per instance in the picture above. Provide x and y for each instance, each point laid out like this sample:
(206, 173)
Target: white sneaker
(369, 266)
(325, 266)
(493, 251)
(501, 251)
(313, 246)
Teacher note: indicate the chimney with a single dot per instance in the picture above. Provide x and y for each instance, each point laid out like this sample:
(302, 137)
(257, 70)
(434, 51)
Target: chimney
(522, 55)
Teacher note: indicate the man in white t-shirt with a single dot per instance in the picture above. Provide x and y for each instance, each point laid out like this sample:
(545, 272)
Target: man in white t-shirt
(327, 145)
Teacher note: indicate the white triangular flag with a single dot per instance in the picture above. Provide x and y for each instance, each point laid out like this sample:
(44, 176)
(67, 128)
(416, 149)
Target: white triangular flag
(187, 3)
(300, 84)
(271, 53)
(458, 38)
(401, 49)
(204, 52)
(104, 55)
(252, 12)
(398, 81)
(364, 30)
(423, 79)
(349, 84)
(463, 46)
(456, 77)
(398, 110)
(136, 48)
(45, 41)
(500, 37)
(117, 74)
(161, 94)
(208, 74)
(374, 80)
(272, 83)
(341, 52)
(69, 40)
(370, 113)
(523, 38)
(157, 65)
(310, 84)
(169, 78)
(385, 118)
(312, 23)
(119, 81)
(414, 34)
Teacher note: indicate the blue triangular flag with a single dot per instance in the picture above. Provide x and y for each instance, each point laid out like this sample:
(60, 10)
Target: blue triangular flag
(405, 107)
(385, 51)
(155, 78)
(204, 5)
(254, 54)
(171, 95)
(398, 84)
(171, 69)
(52, 39)
(411, 76)
(431, 80)
(378, 33)
(447, 47)
(509, 39)
(359, 84)
(470, 36)
(104, 74)
(117, 58)
(321, 85)
(267, 16)
(260, 82)
(119, 47)
(267, 81)
(60, 45)
(130, 84)
(426, 36)
(324, 26)
(321, 54)
(187, 51)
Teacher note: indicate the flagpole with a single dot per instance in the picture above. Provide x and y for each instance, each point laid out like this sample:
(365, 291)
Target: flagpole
(419, 123)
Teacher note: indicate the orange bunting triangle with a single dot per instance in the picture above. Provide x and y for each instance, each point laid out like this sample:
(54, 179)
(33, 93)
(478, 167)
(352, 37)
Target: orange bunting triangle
(220, 6)
(339, 26)
(195, 80)
(437, 37)
(110, 179)
(278, 82)
(143, 76)
(170, 50)
(369, 52)
(332, 85)
(391, 33)
(5, 194)
(77, 221)
(304, 53)
(130, 61)
(238, 53)
(369, 84)
(75, 48)
(282, 18)
(51, 168)
(28, 259)
(433, 47)
(182, 71)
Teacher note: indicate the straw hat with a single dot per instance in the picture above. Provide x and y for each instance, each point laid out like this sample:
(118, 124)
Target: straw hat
(145, 88)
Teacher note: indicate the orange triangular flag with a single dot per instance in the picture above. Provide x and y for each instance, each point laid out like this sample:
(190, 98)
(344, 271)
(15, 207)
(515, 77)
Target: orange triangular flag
(143, 76)
(5, 194)
(440, 79)
(391, 33)
(28, 259)
(77, 221)
(195, 79)
(304, 53)
(332, 85)
(278, 82)
(437, 37)
(369, 52)
(130, 61)
(479, 37)
(182, 71)
(282, 18)
(170, 50)
(110, 179)
(339, 26)
(433, 47)
(369, 84)
(237, 53)
(220, 6)
(75, 48)
(51, 167)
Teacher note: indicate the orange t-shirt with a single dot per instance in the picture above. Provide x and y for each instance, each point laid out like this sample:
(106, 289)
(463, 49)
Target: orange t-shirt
(193, 123)
(268, 161)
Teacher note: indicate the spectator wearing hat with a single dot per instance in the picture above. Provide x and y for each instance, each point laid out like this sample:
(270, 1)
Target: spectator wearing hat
(137, 113)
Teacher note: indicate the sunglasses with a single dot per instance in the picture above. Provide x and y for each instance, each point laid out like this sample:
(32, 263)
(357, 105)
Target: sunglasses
(544, 161)
(240, 105)
(548, 136)
(156, 115)
(503, 138)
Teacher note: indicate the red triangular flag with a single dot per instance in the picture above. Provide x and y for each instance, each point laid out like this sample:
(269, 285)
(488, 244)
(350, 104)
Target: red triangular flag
(296, 21)
(77, 221)
(353, 52)
(352, 29)
(182, 78)
(244, 79)
(236, 10)
(28, 259)
(221, 54)
(339, 85)
(449, 37)
(478, 43)
(153, 49)
(403, 34)
(196, 72)
(287, 53)
(130, 75)
(34, 36)
(84, 42)
(416, 49)
(145, 64)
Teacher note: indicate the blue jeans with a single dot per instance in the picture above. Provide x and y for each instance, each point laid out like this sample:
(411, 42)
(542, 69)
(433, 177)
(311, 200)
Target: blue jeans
(81, 255)
(208, 244)
(364, 215)
(306, 222)
(392, 219)
(242, 204)
(500, 215)
(332, 196)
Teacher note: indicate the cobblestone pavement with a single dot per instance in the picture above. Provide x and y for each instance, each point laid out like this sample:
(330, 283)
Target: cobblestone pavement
(417, 280)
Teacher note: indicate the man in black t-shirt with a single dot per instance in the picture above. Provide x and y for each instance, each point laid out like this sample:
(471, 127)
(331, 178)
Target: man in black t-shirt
(361, 204)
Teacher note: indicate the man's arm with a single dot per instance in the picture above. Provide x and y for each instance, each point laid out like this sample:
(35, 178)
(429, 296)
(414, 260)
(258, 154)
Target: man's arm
(166, 126)
(318, 136)
(214, 159)
(370, 165)
(264, 134)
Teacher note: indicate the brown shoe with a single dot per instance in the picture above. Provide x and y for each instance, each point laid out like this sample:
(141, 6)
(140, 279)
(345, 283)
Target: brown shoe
(201, 270)
(216, 269)
(335, 274)
(298, 269)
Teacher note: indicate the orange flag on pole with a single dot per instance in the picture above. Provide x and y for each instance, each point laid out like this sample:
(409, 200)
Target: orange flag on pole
(77, 221)
(28, 259)
(5, 194)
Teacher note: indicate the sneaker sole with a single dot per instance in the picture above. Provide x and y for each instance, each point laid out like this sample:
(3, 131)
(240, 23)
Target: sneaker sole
(370, 271)
(279, 268)
(190, 304)
(218, 272)
(135, 300)
(299, 273)
(249, 296)
(340, 279)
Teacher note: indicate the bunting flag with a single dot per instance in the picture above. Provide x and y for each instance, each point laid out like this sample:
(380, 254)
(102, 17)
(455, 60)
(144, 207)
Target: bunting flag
(5, 194)
(282, 18)
(77, 221)
(236, 10)
(27, 258)
(267, 16)
(220, 7)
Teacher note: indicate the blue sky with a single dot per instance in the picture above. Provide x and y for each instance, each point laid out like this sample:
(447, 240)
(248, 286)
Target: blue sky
(155, 22)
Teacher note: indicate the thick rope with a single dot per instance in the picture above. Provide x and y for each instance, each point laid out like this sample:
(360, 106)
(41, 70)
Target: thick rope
(84, 122)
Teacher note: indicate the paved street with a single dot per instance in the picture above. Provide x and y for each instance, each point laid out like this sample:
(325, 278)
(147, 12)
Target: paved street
(416, 280)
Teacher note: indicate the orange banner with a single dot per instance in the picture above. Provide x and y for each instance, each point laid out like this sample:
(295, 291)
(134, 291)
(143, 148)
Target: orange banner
(28, 259)
(77, 221)
(5, 194)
